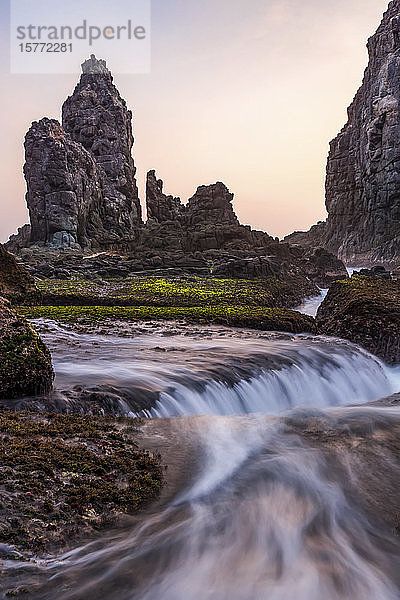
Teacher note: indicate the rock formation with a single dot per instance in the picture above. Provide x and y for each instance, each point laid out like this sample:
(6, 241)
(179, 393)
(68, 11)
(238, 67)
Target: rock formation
(366, 311)
(64, 194)
(25, 362)
(81, 187)
(96, 117)
(161, 207)
(15, 281)
(363, 170)
(211, 204)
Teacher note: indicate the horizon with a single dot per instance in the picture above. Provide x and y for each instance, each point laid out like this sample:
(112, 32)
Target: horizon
(282, 116)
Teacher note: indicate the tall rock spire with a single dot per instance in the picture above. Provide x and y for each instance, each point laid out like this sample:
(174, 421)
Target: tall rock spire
(97, 117)
(81, 187)
(363, 170)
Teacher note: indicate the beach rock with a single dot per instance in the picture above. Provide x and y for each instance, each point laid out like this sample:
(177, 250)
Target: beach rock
(161, 207)
(19, 240)
(81, 186)
(25, 362)
(323, 267)
(366, 311)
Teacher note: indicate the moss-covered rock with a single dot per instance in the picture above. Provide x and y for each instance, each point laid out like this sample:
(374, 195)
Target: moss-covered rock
(366, 311)
(171, 291)
(15, 282)
(25, 362)
(252, 317)
(64, 477)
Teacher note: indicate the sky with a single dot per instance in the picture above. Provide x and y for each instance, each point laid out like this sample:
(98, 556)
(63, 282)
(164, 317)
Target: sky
(248, 92)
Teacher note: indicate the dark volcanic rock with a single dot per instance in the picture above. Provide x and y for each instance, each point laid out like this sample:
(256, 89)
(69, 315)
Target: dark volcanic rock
(323, 267)
(161, 207)
(15, 281)
(211, 204)
(19, 240)
(64, 188)
(97, 117)
(25, 362)
(81, 187)
(363, 169)
(366, 311)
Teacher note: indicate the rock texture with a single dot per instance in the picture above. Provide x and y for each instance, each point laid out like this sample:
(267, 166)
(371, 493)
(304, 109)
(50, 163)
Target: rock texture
(25, 362)
(15, 281)
(64, 194)
(97, 117)
(161, 207)
(81, 187)
(363, 169)
(366, 311)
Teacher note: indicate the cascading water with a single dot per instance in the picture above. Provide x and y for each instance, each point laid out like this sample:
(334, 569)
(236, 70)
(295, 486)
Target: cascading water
(269, 509)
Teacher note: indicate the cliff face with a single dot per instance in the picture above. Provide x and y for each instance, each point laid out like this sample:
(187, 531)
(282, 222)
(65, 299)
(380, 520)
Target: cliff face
(363, 171)
(81, 188)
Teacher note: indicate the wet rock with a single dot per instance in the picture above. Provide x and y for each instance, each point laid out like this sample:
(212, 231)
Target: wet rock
(323, 267)
(366, 311)
(25, 362)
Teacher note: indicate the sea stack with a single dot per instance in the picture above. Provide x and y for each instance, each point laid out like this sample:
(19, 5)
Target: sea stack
(81, 186)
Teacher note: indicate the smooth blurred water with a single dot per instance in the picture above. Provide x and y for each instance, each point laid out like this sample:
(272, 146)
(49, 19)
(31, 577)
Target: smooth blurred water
(263, 514)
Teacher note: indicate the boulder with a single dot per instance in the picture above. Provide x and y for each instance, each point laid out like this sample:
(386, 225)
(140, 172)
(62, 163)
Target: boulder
(366, 311)
(15, 281)
(25, 362)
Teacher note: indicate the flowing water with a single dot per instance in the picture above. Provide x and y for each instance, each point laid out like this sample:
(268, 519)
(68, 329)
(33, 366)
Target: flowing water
(268, 510)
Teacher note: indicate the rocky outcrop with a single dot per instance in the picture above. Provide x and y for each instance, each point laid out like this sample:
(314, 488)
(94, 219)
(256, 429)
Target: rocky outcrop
(160, 207)
(19, 240)
(96, 117)
(363, 169)
(81, 187)
(366, 311)
(64, 194)
(211, 204)
(25, 362)
(15, 281)
(323, 267)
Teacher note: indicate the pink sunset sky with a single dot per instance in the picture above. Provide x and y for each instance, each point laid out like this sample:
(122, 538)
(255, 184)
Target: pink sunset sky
(248, 92)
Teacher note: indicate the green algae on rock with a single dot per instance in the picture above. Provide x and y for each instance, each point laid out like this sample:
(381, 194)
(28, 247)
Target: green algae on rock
(25, 362)
(252, 317)
(16, 283)
(172, 291)
(365, 311)
(65, 477)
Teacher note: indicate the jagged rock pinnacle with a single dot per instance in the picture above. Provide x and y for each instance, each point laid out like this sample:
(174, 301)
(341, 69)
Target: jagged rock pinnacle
(94, 66)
